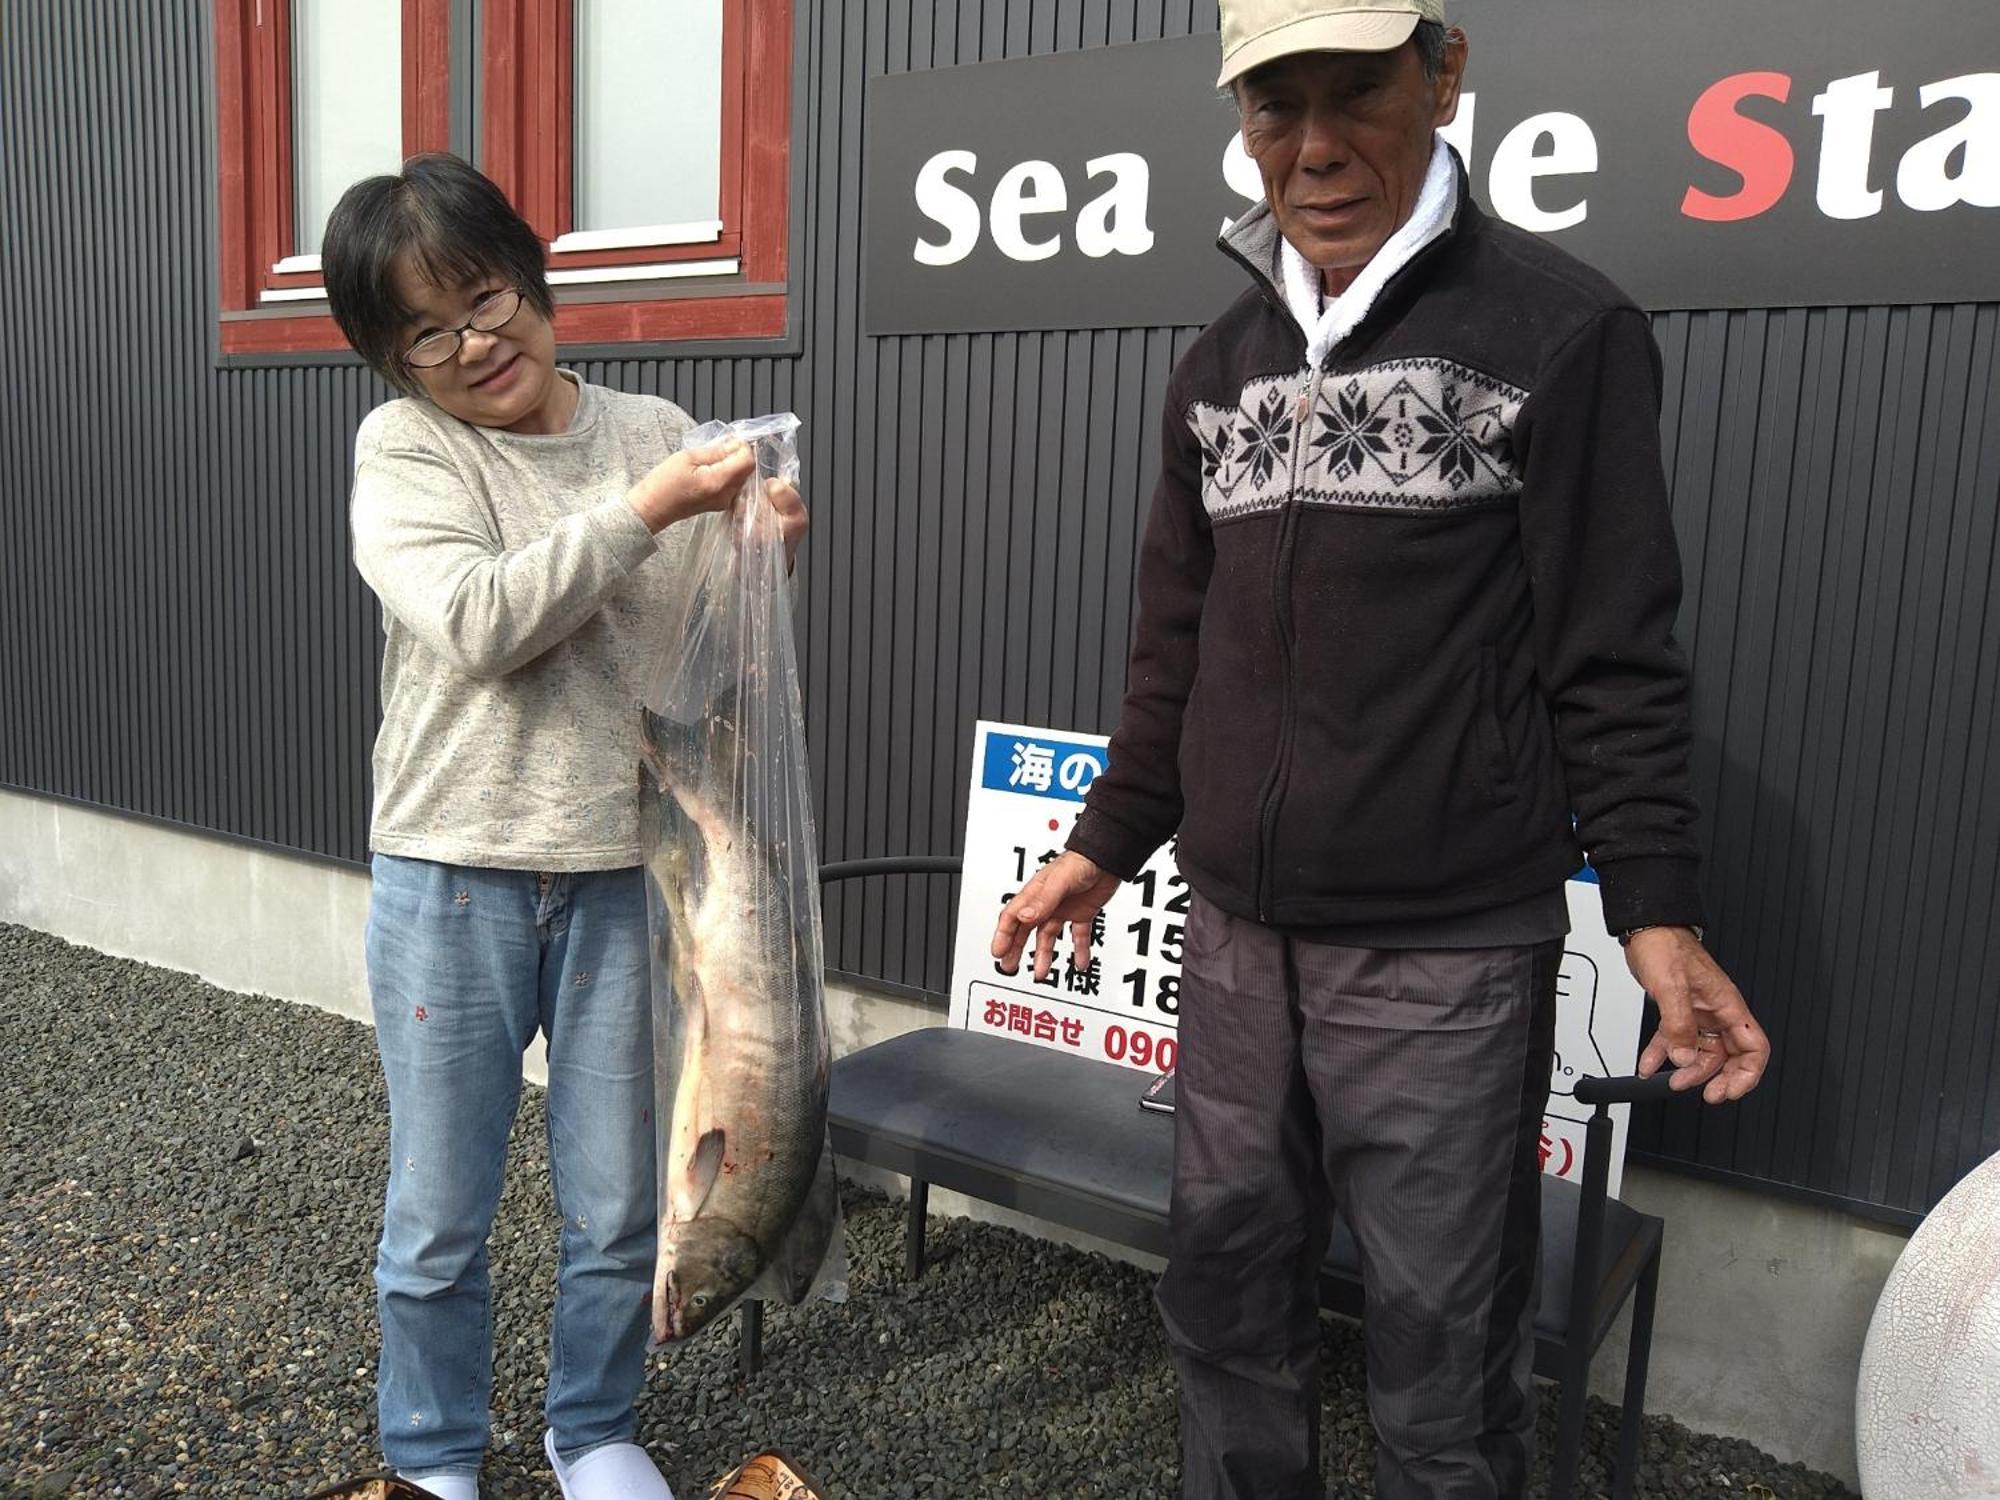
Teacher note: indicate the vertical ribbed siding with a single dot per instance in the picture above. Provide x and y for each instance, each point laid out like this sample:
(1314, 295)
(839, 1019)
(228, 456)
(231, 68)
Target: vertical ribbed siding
(1835, 475)
(184, 637)
(990, 488)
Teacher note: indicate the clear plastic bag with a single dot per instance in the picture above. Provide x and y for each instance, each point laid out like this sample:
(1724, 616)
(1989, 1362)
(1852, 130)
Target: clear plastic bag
(747, 1198)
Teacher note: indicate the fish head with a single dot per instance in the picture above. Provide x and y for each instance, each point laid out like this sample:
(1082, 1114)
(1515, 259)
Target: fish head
(713, 1263)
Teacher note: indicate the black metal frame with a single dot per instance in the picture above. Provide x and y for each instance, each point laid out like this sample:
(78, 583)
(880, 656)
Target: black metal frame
(1603, 1295)
(1597, 1293)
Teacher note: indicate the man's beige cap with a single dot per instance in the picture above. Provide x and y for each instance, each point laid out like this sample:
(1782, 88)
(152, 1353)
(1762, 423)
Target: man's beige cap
(1256, 31)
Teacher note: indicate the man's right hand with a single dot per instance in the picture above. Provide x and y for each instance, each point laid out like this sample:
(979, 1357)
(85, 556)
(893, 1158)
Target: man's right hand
(1068, 891)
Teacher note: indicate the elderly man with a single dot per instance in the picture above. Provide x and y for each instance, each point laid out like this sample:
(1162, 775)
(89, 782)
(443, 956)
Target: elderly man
(1404, 655)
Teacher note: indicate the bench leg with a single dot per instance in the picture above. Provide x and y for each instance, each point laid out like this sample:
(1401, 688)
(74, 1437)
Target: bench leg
(913, 1232)
(1569, 1421)
(1637, 1360)
(750, 1348)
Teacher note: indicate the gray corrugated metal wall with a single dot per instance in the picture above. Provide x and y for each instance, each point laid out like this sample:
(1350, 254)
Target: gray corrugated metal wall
(185, 640)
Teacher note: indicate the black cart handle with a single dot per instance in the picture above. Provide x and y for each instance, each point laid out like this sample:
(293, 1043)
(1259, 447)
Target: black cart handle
(903, 864)
(1655, 1090)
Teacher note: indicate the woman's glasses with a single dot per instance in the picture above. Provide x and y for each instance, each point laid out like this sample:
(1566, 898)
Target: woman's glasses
(490, 314)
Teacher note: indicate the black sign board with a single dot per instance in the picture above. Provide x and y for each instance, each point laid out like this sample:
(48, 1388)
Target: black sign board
(1701, 153)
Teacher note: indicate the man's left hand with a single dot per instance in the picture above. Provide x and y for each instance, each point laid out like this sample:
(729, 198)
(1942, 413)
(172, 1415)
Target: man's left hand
(1706, 1030)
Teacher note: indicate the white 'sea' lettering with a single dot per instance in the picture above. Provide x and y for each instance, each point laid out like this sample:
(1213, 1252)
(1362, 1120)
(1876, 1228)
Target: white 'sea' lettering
(950, 207)
(1032, 187)
(1115, 220)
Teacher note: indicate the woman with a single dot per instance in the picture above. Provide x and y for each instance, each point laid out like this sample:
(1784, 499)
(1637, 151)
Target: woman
(523, 532)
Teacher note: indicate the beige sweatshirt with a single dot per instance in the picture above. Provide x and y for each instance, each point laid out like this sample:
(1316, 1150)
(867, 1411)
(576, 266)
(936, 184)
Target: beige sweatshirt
(525, 604)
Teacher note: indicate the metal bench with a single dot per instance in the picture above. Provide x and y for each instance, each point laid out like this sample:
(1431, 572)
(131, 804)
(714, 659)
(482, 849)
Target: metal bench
(1062, 1138)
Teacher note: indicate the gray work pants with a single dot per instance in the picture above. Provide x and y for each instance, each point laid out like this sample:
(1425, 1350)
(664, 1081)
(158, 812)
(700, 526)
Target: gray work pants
(1407, 1087)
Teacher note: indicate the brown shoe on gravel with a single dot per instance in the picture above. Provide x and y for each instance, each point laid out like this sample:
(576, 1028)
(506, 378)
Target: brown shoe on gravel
(768, 1476)
(371, 1487)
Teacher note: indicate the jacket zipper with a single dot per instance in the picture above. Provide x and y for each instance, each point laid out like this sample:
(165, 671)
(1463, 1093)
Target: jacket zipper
(1273, 799)
(1281, 602)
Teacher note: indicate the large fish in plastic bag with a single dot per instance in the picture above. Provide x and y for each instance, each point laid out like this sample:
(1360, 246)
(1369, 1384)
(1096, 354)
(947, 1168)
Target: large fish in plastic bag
(747, 1199)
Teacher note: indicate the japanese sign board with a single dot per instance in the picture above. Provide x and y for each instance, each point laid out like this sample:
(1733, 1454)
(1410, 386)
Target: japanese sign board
(1028, 784)
(1027, 788)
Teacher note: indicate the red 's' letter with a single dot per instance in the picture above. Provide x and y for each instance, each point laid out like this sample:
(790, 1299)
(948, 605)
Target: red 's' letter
(1758, 154)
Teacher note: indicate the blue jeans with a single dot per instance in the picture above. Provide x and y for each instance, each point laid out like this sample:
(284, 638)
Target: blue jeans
(464, 966)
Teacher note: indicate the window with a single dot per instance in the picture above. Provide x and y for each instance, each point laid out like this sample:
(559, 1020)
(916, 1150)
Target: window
(309, 95)
(347, 108)
(630, 133)
(623, 191)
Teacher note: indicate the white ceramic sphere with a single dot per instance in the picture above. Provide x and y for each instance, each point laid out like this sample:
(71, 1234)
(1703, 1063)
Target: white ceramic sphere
(1927, 1407)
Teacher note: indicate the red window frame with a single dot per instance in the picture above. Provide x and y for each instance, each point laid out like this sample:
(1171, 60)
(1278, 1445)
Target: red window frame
(253, 85)
(526, 135)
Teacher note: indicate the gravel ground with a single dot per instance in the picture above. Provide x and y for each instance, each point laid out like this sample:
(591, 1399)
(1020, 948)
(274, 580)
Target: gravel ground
(191, 1181)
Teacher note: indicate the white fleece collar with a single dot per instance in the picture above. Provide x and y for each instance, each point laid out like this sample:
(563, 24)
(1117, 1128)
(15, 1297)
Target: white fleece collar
(1327, 323)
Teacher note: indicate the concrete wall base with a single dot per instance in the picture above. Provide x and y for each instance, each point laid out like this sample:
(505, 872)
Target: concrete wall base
(1763, 1308)
(1764, 1303)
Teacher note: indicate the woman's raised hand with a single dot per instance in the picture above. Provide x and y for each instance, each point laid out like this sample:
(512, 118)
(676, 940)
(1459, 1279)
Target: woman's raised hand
(790, 513)
(692, 481)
